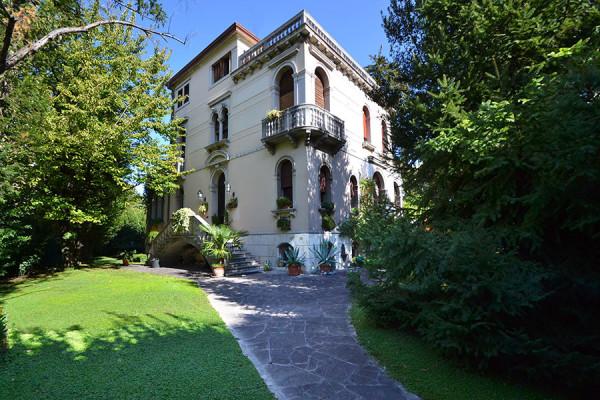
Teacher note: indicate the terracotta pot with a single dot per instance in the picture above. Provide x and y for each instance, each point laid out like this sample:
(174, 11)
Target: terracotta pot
(294, 270)
(325, 268)
(125, 262)
(218, 271)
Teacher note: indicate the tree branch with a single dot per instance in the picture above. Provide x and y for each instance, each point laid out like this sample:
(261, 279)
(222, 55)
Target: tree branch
(8, 33)
(22, 53)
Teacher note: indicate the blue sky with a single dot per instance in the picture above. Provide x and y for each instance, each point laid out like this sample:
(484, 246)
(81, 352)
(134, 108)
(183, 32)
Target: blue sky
(356, 25)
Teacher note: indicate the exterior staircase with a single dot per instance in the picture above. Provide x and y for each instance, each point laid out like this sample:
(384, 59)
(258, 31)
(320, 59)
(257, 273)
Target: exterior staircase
(240, 263)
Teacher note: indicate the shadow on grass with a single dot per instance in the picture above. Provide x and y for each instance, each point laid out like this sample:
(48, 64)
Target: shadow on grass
(170, 357)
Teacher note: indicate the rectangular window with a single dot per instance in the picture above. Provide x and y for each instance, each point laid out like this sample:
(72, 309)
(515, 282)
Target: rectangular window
(220, 69)
(183, 95)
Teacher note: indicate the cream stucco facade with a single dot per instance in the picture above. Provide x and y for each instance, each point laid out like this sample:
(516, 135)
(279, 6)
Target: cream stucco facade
(325, 127)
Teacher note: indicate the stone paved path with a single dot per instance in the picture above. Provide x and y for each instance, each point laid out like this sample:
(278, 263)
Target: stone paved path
(297, 332)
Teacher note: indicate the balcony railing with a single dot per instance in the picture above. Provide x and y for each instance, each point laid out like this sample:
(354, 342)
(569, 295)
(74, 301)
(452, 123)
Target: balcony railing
(290, 28)
(306, 116)
(326, 129)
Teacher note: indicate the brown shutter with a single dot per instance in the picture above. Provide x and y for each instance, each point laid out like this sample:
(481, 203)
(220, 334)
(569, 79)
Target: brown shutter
(286, 90)
(319, 91)
(366, 135)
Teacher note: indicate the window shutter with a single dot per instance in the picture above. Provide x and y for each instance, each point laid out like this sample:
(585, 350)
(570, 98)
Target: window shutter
(319, 91)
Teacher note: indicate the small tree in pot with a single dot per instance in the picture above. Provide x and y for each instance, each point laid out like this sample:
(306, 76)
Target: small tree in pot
(294, 261)
(218, 243)
(325, 253)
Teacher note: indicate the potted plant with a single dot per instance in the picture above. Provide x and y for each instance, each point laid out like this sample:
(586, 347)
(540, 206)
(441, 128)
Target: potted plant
(126, 255)
(273, 115)
(325, 253)
(284, 224)
(219, 241)
(294, 261)
(203, 209)
(232, 203)
(283, 203)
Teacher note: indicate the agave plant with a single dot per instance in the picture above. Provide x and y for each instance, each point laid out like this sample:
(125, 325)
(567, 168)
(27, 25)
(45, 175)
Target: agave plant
(293, 257)
(220, 240)
(325, 253)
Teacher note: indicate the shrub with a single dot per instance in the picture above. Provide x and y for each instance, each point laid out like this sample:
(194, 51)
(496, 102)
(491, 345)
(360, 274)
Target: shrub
(3, 331)
(284, 224)
(465, 292)
(327, 222)
(180, 220)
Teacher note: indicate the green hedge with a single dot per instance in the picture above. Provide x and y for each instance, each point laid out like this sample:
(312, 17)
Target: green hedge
(469, 296)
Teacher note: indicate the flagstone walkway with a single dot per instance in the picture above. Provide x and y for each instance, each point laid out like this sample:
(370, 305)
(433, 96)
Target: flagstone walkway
(297, 332)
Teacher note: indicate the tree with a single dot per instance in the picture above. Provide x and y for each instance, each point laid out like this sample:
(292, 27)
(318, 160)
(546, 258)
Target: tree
(18, 15)
(494, 109)
(88, 120)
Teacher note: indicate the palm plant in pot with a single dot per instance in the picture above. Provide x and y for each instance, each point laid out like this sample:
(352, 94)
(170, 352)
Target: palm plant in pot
(325, 253)
(219, 241)
(294, 261)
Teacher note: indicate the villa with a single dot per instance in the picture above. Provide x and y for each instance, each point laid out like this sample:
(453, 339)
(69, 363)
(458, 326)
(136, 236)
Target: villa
(278, 134)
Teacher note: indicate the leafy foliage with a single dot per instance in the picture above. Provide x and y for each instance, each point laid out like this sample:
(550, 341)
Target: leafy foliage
(293, 257)
(180, 220)
(221, 239)
(87, 119)
(325, 252)
(494, 109)
(3, 331)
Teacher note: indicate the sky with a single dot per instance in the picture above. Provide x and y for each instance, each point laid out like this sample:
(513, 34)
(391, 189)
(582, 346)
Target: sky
(354, 24)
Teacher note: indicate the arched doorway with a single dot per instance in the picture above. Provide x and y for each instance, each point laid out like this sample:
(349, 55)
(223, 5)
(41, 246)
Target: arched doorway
(219, 197)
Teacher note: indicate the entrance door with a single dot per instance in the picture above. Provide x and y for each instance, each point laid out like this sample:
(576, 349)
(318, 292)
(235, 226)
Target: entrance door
(221, 198)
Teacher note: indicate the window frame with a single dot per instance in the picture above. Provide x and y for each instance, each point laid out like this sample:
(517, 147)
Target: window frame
(182, 91)
(226, 68)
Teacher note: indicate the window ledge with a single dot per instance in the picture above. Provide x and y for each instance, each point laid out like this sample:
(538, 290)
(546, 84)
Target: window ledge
(368, 146)
(284, 212)
(223, 143)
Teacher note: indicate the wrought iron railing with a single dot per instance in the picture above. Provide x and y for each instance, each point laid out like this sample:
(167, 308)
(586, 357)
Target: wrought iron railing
(306, 116)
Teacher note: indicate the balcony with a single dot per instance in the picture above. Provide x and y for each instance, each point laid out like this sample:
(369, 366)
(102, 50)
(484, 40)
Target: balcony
(317, 126)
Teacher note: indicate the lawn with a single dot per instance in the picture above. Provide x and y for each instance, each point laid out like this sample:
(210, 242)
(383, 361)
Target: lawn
(425, 372)
(104, 333)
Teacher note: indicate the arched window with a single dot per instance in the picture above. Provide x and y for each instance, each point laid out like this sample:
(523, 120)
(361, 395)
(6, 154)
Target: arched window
(286, 174)
(353, 192)
(216, 128)
(366, 124)
(396, 194)
(379, 188)
(321, 89)
(325, 184)
(225, 123)
(286, 89)
(384, 138)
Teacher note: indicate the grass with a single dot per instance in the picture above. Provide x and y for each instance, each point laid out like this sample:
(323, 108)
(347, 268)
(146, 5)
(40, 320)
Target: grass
(105, 261)
(425, 372)
(105, 333)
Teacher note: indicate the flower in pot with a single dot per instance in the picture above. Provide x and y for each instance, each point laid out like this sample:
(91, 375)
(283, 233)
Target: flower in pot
(273, 115)
(283, 202)
(325, 253)
(219, 241)
(294, 261)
